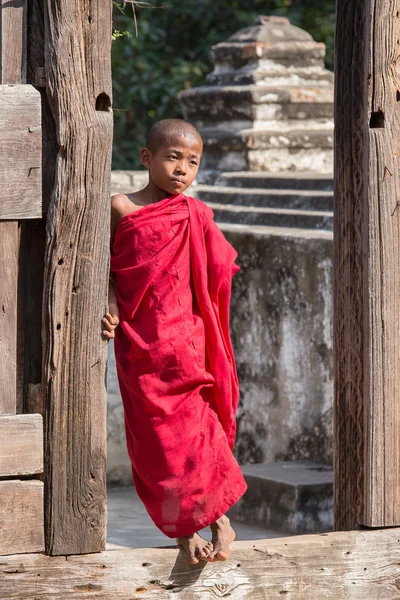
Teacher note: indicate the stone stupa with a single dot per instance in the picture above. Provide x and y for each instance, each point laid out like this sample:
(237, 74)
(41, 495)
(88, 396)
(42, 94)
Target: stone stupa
(267, 105)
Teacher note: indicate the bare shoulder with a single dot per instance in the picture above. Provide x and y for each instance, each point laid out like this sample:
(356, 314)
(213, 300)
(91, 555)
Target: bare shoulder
(119, 204)
(124, 203)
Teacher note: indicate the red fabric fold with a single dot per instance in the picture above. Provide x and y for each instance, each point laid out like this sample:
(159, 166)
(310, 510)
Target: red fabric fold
(173, 270)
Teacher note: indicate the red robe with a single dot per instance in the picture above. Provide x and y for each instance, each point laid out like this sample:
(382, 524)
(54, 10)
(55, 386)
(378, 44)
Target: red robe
(177, 375)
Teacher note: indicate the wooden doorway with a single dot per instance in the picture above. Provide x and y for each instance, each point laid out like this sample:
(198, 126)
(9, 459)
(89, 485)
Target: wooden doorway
(348, 566)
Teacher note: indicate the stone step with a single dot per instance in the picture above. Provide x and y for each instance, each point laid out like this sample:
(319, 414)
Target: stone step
(264, 94)
(272, 160)
(273, 181)
(271, 76)
(269, 198)
(272, 217)
(217, 140)
(288, 496)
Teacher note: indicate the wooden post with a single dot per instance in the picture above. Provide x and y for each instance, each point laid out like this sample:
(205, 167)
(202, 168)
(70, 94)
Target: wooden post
(78, 84)
(12, 71)
(367, 264)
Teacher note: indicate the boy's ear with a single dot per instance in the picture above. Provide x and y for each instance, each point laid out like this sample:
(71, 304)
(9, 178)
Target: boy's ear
(145, 157)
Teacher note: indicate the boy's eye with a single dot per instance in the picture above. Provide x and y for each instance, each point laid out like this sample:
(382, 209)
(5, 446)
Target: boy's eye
(193, 162)
(173, 156)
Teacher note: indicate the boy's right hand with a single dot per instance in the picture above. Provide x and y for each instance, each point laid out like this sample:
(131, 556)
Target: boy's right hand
(110, 322)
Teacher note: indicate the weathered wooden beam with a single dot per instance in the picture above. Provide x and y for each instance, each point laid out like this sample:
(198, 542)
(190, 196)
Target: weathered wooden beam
(20, 152)
(78, 85)
(350, 199)
(13, 16)
(21, 445)
(366, 257)
(382, 263)
(339, 566)
(21, 522)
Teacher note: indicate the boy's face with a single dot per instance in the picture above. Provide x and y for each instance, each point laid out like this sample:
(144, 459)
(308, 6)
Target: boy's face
(174, 166)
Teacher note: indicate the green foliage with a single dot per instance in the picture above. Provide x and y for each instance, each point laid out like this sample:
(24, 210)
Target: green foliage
(171, 53)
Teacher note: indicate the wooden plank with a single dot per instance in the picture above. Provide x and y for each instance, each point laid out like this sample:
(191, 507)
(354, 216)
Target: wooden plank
(340, 566)
(78, 79)
(21, 445)
(8, 317)
(367, 256)
(21, 517)
(20, 152)
(13, 16)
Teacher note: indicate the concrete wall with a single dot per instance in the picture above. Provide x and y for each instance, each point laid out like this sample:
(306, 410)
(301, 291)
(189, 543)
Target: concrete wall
(281, 322)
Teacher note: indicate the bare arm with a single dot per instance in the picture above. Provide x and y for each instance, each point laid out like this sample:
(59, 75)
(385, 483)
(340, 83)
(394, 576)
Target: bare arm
(111, 318)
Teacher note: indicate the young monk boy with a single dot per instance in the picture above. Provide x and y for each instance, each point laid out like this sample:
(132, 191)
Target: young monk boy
(169, 296)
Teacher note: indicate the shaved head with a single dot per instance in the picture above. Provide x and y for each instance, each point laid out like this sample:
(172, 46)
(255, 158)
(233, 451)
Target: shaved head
(167, 131)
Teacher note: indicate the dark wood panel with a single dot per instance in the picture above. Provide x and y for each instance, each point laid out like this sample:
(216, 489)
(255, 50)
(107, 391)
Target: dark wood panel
(350, 204)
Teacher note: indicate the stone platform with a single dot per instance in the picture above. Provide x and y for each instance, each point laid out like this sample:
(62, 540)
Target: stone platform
(291, 497)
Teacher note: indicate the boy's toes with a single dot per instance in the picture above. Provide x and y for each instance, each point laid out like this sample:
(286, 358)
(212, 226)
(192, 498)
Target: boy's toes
(208, 548)
(192, 558)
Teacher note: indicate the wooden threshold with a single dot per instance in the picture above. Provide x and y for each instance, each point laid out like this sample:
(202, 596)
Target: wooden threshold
(358, 565)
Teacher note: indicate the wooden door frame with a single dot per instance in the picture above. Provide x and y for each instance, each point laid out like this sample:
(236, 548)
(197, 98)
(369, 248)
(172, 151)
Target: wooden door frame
(361, 564)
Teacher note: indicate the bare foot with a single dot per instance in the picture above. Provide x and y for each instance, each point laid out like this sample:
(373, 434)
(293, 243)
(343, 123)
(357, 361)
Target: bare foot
(195, 547)
(222, 537)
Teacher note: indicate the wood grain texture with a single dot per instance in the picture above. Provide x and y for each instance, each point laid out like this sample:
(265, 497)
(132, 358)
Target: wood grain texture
(367, 259)
(21, 517)
(20, 153)
(339, 566)
(350, 274)
(13, 16)
(9, 240)
(21, 445)
(382, 390)
(78, 72)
